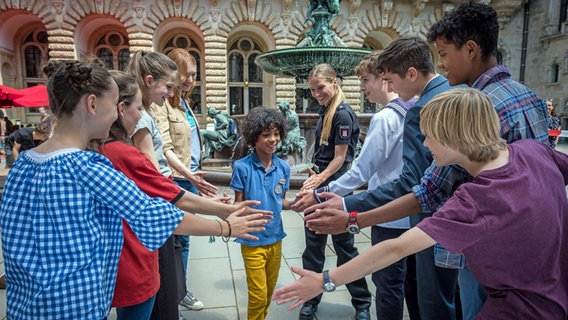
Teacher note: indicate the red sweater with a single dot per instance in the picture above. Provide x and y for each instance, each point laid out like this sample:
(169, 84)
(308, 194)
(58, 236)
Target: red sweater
(138, 278)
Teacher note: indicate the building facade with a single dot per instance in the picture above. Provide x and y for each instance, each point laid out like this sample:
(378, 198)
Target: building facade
(225, 36)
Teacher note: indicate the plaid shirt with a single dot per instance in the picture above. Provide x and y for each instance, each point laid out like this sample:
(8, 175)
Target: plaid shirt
(523, 116)
(61, 226)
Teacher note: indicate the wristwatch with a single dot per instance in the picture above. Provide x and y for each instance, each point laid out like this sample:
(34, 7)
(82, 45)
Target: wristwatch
(352, 226)
(328, 285)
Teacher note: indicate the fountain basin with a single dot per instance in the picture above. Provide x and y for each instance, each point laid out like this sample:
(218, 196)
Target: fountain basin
(219, 170)
(298, 62)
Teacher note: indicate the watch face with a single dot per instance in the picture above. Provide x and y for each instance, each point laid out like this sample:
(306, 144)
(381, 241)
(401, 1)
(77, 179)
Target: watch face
(329, 286)
(353, 229)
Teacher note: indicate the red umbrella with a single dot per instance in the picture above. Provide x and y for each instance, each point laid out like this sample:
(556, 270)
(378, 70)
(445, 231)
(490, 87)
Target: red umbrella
(35, 96)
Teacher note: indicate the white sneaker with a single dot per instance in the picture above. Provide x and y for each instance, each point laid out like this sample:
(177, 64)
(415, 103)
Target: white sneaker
(191, 302)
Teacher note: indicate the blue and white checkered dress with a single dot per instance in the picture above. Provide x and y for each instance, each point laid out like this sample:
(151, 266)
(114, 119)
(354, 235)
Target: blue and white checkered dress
(60, 219)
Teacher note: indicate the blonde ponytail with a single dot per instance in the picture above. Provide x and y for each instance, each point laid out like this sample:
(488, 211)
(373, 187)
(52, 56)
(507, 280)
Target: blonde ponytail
(329, 113)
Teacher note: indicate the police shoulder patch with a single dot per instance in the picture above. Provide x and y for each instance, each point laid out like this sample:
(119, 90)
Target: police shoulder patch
(344, 132)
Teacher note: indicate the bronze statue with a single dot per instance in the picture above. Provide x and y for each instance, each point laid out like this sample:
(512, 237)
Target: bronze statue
(319, 13)
(331, 6)
(294, 141)
(223, 136)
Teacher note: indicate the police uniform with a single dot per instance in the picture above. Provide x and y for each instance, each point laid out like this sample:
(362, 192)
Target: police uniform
(344, 130)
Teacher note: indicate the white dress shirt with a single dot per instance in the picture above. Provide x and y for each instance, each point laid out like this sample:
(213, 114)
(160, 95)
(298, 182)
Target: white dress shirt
(380, 158)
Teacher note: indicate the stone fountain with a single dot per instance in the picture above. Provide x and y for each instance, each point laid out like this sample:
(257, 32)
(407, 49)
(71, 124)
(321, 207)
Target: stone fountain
(320, 45)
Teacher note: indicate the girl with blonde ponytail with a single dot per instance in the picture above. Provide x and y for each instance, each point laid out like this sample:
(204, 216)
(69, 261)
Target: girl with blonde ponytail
(325, 71)
(336, 136)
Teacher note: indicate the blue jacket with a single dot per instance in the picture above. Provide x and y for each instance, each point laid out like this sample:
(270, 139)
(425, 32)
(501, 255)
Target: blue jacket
(415, 156)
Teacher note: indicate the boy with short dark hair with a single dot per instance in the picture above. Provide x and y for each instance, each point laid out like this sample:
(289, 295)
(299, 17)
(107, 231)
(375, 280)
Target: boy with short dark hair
(264, 177)
(492, 219)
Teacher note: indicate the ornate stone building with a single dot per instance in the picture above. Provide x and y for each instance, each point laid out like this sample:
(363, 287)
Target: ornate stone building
(226, 35)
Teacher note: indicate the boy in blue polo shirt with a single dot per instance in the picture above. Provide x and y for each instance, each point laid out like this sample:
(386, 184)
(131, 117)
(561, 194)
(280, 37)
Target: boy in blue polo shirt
(264, 177)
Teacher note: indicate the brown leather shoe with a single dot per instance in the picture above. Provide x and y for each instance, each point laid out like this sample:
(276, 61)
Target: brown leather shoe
(3, 281)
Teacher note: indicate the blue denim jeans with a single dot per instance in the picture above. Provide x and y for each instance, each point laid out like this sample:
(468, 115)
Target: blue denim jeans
(184, 240)
(140, 311)
(472, 294)
(436, 288)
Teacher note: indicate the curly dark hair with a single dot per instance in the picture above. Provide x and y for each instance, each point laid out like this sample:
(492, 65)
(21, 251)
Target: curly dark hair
(260, 119)
(470, 21)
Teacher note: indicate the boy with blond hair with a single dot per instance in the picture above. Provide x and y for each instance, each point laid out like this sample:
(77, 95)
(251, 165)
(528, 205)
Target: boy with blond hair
(462, 128)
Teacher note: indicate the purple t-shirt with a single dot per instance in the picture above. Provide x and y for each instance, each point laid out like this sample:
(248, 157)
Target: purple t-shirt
(511, 223)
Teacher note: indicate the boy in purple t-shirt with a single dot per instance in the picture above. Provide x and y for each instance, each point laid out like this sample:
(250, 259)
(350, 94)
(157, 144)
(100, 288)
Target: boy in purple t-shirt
(510, 221)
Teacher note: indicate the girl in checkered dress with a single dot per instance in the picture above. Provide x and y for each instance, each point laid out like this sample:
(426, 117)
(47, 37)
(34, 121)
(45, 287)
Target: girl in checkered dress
(62, 207)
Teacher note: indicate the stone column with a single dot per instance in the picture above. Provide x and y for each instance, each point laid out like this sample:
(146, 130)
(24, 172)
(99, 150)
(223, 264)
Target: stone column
(216, 72)
(61, 44)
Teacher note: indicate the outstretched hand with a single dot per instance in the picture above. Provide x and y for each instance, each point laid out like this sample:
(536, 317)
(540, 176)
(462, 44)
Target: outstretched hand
(308, 286)
(247, 206)
(327, 221)
(333, 201)
(204, 187)
(304, 199)
(243, 223)
(313, 181)
(224, 198)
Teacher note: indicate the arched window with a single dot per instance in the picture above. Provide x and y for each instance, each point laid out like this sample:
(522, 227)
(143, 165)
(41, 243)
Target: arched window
(184, 42)
(244, 76)
(35, 52)
(35, 56)
(112, 49)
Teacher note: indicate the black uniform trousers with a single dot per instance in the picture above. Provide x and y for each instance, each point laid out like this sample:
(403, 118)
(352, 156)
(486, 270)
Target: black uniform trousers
(313, 257)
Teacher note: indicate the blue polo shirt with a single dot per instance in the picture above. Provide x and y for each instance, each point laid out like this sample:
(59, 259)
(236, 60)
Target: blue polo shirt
(267, 187)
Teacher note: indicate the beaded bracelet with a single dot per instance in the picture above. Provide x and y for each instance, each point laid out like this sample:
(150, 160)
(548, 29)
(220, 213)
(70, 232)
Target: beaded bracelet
(226, 238)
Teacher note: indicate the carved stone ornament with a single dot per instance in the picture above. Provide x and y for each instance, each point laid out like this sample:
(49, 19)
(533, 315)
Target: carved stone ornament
(58, 5)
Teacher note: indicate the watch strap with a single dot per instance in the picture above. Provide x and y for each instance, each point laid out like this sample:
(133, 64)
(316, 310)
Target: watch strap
(352, 217)
(325, 276)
